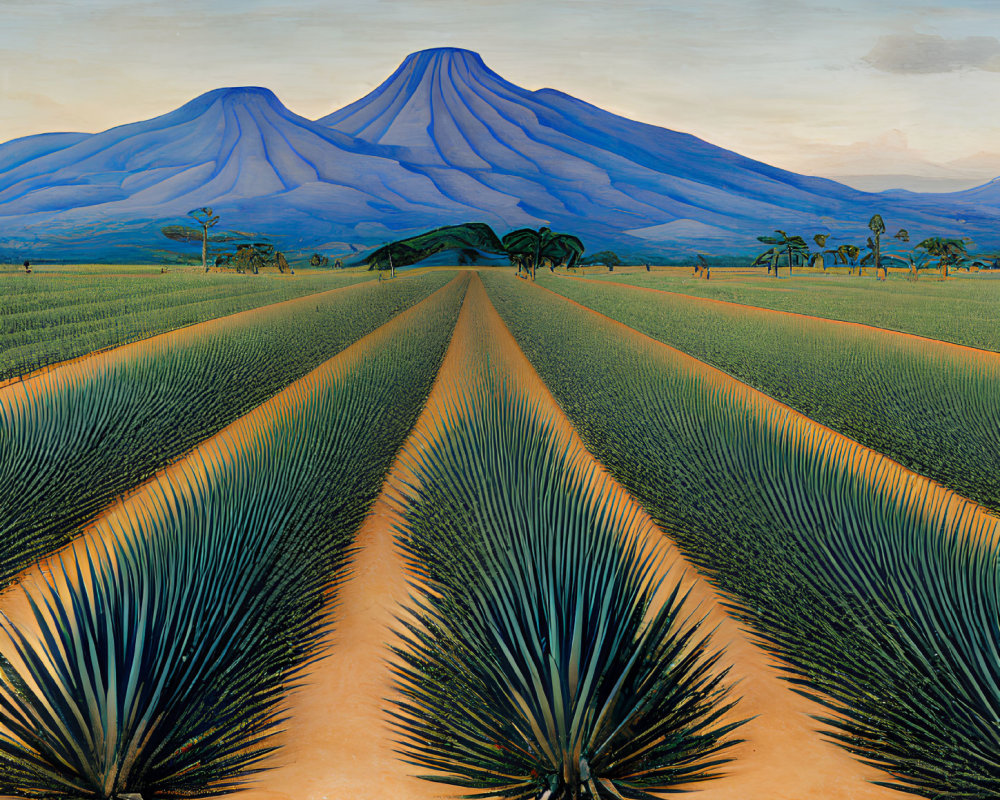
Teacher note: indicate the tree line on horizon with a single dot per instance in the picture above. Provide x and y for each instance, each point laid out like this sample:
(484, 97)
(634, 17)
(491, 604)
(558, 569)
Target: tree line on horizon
(527, 248)
(794, 251)
(250, 253)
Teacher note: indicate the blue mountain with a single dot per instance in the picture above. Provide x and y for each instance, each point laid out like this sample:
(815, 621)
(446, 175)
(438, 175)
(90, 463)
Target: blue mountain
(545, 157)
(262, 168)
(444, 140)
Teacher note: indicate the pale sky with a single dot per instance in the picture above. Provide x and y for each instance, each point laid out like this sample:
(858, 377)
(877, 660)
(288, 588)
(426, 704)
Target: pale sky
(841, 87)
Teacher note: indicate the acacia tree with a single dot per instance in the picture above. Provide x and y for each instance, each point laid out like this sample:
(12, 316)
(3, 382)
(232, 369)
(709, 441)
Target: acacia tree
(205, 218)
(608, 258)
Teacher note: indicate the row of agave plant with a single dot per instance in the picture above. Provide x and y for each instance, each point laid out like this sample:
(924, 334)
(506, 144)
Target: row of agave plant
(536, 663)
(69, 446)
(935, 410)
(939, 251)
(60, 317)
(164, 658)
(882, 602)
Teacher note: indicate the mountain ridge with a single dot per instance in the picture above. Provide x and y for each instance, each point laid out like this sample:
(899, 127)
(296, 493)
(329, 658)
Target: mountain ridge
(442, 140)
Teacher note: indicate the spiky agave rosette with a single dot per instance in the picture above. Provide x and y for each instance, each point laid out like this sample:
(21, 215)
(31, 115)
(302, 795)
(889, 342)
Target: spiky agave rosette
(535, 662)
(164, 658)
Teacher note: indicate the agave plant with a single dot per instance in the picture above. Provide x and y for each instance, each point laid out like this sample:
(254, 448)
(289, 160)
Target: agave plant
(69, 446)
(878, 590)
(163, 659)
(159, 666)
(535, 664)
(937, 413)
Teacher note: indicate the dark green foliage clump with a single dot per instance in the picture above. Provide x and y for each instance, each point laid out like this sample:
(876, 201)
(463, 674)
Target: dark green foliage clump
(475, 236)
(167, 664)
(872, 595)
(606, 257)
(67, 453)
(539, 666)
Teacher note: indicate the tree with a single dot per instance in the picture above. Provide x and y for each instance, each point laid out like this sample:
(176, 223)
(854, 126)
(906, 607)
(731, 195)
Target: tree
(606, 257)
(946, 251)
(817, 258)
(794, 248)
(877, 227)
(476, 236)
(253, 256)
(205, 218)
(282, 264)
(847, 254)
(527, 247)
(914, 260)
(316, 260)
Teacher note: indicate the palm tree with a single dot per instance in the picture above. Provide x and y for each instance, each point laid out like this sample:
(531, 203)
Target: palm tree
(528, 247)
(792, 247)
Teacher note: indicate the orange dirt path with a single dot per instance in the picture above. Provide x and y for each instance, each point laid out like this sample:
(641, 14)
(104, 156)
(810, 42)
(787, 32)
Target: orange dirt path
(949, 348)
(783, 757)
(338, 743)
(962, 516)
(79, 366)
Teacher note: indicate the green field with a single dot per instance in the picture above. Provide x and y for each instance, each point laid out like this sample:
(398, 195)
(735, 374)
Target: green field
(931, 409)
(961, 309)
(544, 540)
(57, 314)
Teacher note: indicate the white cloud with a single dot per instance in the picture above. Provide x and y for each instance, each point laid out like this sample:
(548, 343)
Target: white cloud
(919, 53)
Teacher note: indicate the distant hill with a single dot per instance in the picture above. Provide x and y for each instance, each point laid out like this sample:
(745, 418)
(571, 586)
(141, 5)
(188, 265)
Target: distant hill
(442, 141)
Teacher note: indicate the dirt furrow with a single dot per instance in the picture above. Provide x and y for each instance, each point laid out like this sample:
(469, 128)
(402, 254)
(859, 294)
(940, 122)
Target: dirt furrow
(783, 757)
(338, 743)
(230, 440)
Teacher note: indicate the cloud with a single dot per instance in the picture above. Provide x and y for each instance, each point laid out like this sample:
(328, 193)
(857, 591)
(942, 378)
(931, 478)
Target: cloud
(917, 53)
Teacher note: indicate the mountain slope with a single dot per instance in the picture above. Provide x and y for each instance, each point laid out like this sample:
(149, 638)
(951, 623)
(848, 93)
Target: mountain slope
(444, 140)
(562, 160)
(240, 150)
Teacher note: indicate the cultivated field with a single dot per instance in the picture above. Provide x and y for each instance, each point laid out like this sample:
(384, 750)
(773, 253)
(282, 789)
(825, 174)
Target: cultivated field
(460, 533)
(960, 309)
